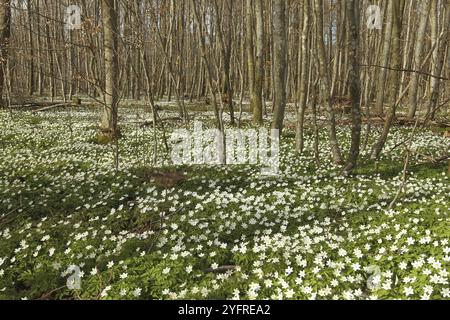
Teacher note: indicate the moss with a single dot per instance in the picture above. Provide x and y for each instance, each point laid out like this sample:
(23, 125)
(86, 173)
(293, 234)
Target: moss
(104, 139)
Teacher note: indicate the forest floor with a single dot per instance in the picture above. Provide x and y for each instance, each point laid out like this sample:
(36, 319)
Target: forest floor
(67, 212)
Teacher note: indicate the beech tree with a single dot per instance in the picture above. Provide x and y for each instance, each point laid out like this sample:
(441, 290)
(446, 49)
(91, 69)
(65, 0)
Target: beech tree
(108, 125)
(259, 64)
(396, 8)
(255, 58)
(5, 25)
(440, 44)
(303, 83)
(326, 82)
(423, 10)
(353, 8)
(279, 62)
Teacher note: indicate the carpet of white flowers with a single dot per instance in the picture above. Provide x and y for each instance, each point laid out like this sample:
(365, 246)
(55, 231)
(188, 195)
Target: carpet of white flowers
(224, 232)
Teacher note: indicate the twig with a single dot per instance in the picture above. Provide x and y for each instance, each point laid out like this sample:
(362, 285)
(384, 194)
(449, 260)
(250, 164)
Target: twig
(405, 166)
(3, 221)
(52, 107)
(220, 269)
(46, 295)
(406, 70)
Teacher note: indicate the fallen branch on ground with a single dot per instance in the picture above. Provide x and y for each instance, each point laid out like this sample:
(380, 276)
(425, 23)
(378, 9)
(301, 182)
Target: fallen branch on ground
(150, 123)
(53, 107)
(220, 269)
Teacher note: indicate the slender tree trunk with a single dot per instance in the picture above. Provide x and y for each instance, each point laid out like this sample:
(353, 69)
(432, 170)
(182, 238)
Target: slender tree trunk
(5, 33)
(279, 62)
(325, 81)
(440, 57)
(353, 8)
(424, 10)
(397, 20)
(225, 49)
(110, 34)
(51, 62)
(303, 84)
(384, 62)
(249, 43)
(31, 84)
(259, 67)
(39, 44)
(212, 89)
(227, 60)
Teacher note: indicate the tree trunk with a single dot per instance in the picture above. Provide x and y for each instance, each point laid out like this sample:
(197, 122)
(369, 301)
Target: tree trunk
(5, 33)
(225, 49)
(259, 67)
(424, 10)
(228, 85)
(384, 62)
(31, 83)
(326, 85)
(353, 8)
(397, 21)
(279, 62)
(111, 96)
(303, 84)
(439, 58)
(212, 88)
(249, 43)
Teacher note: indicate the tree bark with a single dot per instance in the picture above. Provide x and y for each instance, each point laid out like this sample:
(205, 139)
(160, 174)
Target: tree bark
(5, 33)
(397, 21)
(384, 62)
(439, 62)
(303, 84)
(424, 10)
(326, 83)
(111, 95)
(212, 89)
(353, 8)
(259, 67)
(249, 44)
(279, 62)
